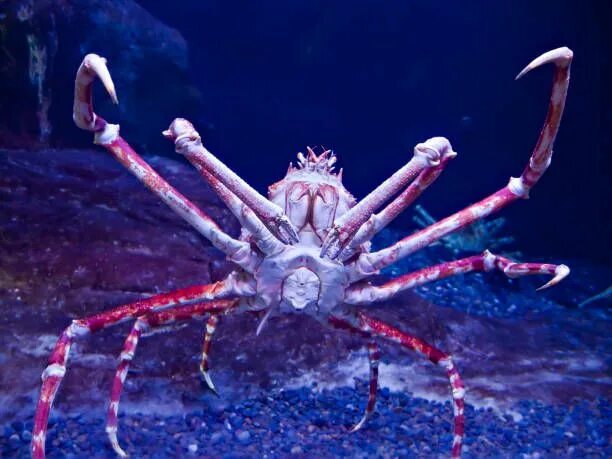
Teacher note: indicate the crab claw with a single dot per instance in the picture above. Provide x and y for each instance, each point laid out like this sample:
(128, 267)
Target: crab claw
(92, 66)
(286, 230)
(561, 272)
(561, 57)
(180, 129)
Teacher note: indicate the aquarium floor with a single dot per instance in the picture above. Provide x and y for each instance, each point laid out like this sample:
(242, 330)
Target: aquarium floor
(305, 424)
(79, 235)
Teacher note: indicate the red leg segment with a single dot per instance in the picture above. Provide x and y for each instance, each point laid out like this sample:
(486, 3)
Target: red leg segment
(211, 326)
(517, 188)
(427, 154)
(54, 373)
(366, 294)
(189, 143)
(373, 358)
(378, 328)
(380, 220)
(141, 325)
(108, 136)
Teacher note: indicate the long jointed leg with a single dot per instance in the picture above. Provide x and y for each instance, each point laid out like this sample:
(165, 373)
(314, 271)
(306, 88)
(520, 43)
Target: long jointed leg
(517, 188)
(189, 144)
(108, 136)
(383, 218)
(54, 373)
(142, 324)
(378, 328)
(373, 358)
(265, 240)
(484, 262)
(211, 326)
(427, 154)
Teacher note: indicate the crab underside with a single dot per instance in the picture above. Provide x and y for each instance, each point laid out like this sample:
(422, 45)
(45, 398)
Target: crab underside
(304, 250)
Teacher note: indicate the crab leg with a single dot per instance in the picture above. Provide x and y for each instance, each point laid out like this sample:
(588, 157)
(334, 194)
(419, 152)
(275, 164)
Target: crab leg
(373, 358)
(211, 326)
(188, 143)
(426, 155)
(262, 236)
(378, 328)
(54, 373)
(517, 188)
(143, 324)
(108, 136)
(380, 220)
(484, 262)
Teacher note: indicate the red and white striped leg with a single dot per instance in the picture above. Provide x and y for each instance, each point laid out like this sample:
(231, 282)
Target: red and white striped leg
(517, 188)
(189, 143)
(373, 359)
(378, 328)
(487, 261)
(108, 136)
(267, 242)
(143, 324)
(211, 326)
(380, 220)
(129, 348)
(54, 373)
(427, 154)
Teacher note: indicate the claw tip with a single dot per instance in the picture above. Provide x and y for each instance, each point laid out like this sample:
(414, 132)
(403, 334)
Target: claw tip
(561, 272)
(559, 56)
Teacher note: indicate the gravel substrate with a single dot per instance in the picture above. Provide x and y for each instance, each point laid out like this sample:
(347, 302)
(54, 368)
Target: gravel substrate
(306, 423)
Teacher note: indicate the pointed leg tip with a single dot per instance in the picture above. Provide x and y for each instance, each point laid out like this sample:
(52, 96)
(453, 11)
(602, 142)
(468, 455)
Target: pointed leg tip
(112, 436)
(209, 382)
(358, 426)
(561, 272)
(560, 56)
(97, 65)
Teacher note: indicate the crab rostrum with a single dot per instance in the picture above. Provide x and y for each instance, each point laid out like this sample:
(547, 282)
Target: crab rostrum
(303, 250)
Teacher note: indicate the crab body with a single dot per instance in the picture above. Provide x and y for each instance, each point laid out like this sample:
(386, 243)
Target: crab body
(304, 249)
(298, 278)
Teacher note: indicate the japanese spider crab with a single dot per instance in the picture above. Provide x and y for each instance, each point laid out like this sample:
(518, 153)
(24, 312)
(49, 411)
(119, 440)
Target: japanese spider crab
(305, 249)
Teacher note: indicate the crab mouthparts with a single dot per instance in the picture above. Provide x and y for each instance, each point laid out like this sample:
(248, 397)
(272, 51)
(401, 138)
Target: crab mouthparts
(301, 288)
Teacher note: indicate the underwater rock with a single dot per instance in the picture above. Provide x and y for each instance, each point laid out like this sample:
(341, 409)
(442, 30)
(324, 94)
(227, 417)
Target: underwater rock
(147, 57)
(79, 235)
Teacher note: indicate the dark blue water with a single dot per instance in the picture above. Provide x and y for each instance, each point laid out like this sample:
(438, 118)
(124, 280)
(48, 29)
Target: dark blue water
(371, 81)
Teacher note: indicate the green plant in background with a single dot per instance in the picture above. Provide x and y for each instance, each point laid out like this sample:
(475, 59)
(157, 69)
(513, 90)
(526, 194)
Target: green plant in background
(600, 296)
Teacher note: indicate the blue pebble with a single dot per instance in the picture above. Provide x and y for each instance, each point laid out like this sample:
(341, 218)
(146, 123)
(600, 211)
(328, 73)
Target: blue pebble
(243, 436)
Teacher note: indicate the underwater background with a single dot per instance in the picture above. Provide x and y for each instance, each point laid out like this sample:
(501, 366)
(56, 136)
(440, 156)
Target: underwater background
(261, 81)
